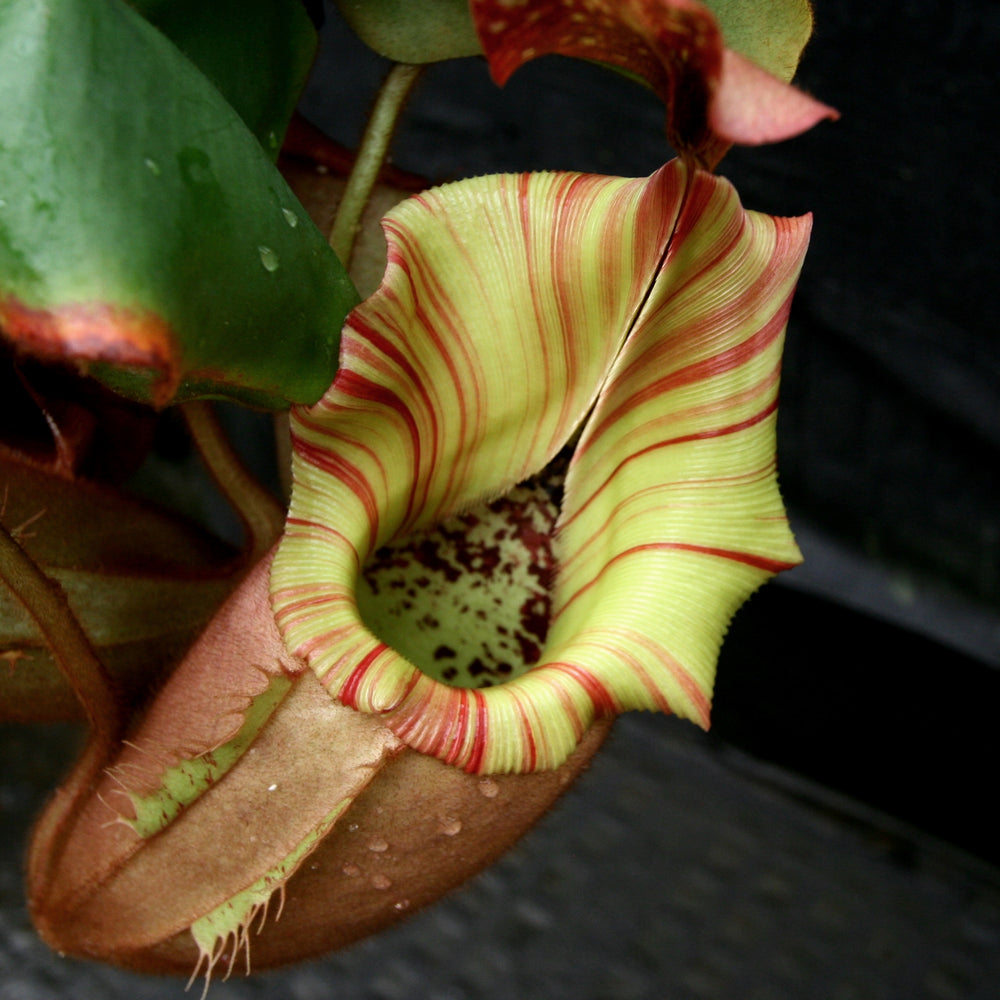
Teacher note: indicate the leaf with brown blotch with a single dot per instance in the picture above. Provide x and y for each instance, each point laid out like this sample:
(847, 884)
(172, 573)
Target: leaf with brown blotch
(246, 788)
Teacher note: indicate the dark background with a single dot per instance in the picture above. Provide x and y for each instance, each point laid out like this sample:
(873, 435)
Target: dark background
(835, 836)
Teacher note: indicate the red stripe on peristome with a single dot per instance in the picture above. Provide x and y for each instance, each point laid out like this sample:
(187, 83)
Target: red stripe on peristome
(746, 558)
(365, 389)
(705, 435)
(477, 752)
(348, 693)
(528, 742)
(321, 643)
(457, 726)
(680, 674)
(614, 643)
(764, 474)
(433, 293)
(345, 472)
(700, 371)
(600, 697)
(371, 336)
(304, 528)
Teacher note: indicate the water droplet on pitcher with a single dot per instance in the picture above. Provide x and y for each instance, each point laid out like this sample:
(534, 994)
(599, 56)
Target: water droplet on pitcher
(268, 258)
(351, 871)
(489, 788)
(401, 904)
(290, 217)
(450, 826)
(381, 881)
(378, 844)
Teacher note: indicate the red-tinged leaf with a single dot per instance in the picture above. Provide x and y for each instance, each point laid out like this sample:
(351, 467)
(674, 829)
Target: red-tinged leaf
(712, 98)
(145, 235)
(96, 332)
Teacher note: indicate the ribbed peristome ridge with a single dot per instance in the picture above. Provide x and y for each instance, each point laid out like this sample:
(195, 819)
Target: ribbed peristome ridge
(643, 319)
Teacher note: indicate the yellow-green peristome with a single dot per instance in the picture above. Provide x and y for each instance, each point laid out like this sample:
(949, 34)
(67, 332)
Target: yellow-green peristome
(633, 326)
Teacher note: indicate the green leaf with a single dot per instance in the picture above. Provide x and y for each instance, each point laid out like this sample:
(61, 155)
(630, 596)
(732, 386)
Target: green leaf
(257, 52)
(144, 234)
(410, 32)
(771, 34)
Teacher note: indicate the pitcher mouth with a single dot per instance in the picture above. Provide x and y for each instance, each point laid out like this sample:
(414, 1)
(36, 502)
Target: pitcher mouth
(469, 601)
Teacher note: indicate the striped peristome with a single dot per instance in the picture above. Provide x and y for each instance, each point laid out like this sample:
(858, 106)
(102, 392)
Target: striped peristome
(635, 325)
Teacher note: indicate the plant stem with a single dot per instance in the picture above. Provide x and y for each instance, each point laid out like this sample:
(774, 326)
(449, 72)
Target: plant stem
(371, 155)
(46, 603)
(261, 515)
(72, 652)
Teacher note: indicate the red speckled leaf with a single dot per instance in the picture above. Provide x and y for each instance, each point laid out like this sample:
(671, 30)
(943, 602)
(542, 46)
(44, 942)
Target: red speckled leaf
(714, 96)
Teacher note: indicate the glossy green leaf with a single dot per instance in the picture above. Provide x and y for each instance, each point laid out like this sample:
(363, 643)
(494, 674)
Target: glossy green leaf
(257, 52)
(144, 234)
(410, 32)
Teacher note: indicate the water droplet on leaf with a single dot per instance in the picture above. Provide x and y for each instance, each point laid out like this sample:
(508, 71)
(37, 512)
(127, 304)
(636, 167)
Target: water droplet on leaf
(290, 217)
(196, 167)
(268, 258)
(153, 167)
